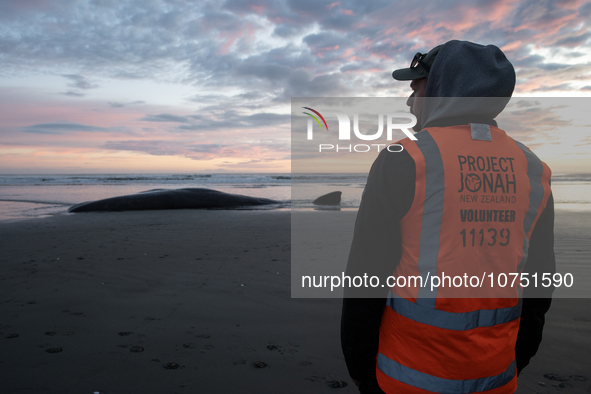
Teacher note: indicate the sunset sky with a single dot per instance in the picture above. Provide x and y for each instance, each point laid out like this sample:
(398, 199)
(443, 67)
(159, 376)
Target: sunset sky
(124, 86)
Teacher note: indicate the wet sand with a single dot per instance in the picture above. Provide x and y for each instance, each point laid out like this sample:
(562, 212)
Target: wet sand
(199, 301)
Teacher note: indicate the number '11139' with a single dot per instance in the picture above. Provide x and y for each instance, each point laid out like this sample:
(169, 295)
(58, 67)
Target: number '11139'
(489, 236)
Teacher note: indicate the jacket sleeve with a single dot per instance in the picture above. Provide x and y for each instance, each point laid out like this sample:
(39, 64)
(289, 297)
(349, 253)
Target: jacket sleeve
(375, 251)
(536, 300)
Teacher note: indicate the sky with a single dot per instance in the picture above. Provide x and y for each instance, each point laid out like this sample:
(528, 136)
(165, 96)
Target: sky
(157, 86)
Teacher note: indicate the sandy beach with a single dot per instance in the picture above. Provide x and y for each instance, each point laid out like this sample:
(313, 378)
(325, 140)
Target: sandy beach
(198, 301)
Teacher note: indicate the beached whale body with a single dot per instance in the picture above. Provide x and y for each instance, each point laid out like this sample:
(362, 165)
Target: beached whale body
(190, 198)
(333, 198)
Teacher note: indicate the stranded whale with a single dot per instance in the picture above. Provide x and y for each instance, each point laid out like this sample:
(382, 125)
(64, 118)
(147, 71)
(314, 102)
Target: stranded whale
(189, 198)
(333, 198)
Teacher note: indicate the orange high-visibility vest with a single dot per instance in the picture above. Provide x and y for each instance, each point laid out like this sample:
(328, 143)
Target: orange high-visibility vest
(478, 196)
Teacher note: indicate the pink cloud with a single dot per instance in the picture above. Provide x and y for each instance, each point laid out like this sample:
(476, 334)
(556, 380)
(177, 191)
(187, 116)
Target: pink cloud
(348, 53)
(332, 5)
(257, 8)
(228, 42)
(571, 4)
(346, 12)
(512, 46)
(444, 25)
(321, 51)
(244, 37)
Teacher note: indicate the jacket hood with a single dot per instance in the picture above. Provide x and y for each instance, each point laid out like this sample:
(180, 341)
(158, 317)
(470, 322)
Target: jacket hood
(467, 81)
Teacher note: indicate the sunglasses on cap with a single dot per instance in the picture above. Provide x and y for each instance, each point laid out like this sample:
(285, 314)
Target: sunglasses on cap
(418, 59)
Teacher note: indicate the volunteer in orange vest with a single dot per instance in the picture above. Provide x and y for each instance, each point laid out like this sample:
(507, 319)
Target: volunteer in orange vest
(463, 201)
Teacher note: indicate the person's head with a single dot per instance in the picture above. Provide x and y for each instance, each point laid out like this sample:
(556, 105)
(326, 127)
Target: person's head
(417, 74)
(458, 69)
(415, 100)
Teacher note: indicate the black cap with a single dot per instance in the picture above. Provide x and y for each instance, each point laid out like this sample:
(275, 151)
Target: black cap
(420, 66)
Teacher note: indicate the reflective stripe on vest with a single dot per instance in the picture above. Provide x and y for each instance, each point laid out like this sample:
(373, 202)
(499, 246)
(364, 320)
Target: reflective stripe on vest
(453, 320)
(430, 340)
(444, 386)
(431, 221)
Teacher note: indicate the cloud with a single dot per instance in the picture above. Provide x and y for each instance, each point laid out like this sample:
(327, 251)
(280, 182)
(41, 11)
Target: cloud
(573, 41)
(237, 63)
(173, 148)
(287, 30)
(165, 118)
(535, 122)
(199, 151)
(80, 81)
(254, 68)
(249, 96)
(73, 93)
(302, 84)
(225, 46)
(59, 128)
(562, 86)
(525, 104)
(231, 120)
(114, 104)
(324, 40)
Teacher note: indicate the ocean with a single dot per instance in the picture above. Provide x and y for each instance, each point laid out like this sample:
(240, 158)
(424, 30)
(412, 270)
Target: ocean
(33, 196)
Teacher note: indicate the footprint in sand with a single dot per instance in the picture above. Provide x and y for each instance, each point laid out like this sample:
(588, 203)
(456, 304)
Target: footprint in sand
(578, 378)
(555, 377)
(336, 384)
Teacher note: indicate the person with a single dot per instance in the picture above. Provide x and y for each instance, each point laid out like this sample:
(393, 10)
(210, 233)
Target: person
(463, 198)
